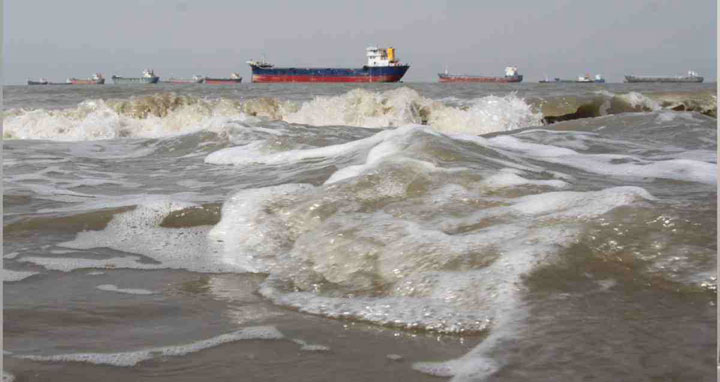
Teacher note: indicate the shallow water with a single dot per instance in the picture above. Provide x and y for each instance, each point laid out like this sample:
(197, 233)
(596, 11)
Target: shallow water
(384, 232)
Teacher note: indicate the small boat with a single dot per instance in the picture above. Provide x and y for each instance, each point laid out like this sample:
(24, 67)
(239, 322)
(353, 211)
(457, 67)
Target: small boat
(511, 75)
(196, 79)
(96, 79)
(234, 79)
(148, 77)
(691, 77)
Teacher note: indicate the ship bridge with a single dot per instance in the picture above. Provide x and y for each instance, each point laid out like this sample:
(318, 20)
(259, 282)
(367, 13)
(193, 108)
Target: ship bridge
(378, 57)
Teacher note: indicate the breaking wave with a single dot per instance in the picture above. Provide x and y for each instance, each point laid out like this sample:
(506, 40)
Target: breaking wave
(608, 103)
(169, 114)
(154, 116)
(405, 106)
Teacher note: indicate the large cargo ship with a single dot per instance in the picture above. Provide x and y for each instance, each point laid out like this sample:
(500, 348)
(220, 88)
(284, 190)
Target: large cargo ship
(691, 77)
(196, 79)
(382, 66)
(234, 79)
(586, 79)
(148, 77)
(511, 75)
(43, 81)
(96, 79)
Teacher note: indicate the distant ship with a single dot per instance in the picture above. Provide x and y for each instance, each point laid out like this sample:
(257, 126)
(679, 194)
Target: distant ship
(382, 66)
(580, 80)
(148, 77)
(96, 79)
(691, 77)
(43, 81)
(511, 75)
(196, 79)
(234, 79)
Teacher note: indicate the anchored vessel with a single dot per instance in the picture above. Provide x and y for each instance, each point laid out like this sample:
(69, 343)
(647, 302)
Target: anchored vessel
(44, 81)
(196, 79)
(41, 81)
(580, 80)
(96, 79)
(511, 75)
(382, 66)
(691, 77)
(234, 79)
(148, 77)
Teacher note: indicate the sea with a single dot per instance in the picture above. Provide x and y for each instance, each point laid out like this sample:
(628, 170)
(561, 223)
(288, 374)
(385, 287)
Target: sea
(350, 232)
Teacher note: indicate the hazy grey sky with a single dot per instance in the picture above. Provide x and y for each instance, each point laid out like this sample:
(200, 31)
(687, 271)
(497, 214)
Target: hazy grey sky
(75, 38)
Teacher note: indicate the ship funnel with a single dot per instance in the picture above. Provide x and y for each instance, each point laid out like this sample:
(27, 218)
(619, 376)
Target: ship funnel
(391, 54)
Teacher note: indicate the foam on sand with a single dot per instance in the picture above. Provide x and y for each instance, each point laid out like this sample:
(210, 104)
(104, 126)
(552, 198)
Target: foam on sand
(132, 358)
(69, 264)
(114, 288)
(304, 346)
(139, 231)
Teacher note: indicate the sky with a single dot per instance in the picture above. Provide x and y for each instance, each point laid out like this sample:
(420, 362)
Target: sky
(180, 38)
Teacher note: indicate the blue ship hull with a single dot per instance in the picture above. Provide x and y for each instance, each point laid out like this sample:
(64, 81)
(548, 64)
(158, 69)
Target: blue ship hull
(364, 74)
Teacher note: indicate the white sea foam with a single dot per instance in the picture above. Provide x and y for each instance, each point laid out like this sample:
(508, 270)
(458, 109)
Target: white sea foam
(139, 232)
(246, 241)
(611, 164)
(69, 264)
(304, 346)
(61, 251)
(510, 178)
(405, 106)
(96, 119)
(579, 204)
(165, 115)
(639, 100)
(10, 276)
(254, 153)
(348, 234)
(636, 100)
(362, 108)
(394, 357)
(132, 358)
(114, 288)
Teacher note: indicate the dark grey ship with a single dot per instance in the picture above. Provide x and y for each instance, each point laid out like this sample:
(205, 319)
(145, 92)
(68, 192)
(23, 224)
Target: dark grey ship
(690, 77)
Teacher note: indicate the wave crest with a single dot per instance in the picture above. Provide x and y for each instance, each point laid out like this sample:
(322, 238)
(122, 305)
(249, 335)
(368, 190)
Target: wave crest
(406, 106)
(155, 116)
(168, 114)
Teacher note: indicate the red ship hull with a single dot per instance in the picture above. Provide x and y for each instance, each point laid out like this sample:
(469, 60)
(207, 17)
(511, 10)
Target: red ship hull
(223, 81)
(283, 78)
